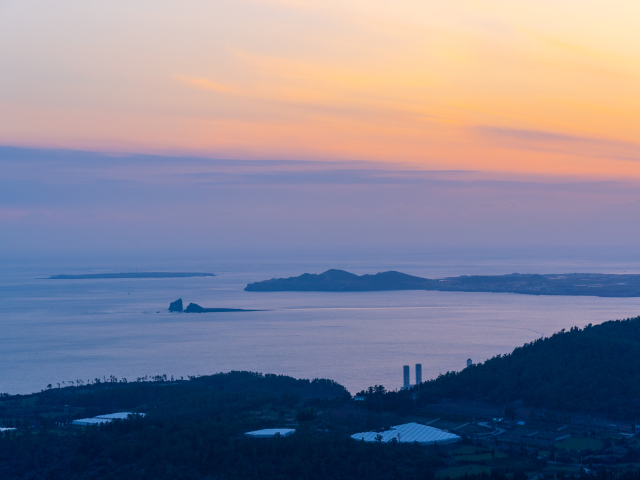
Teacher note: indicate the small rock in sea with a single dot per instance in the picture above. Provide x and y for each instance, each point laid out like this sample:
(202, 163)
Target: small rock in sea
(194, 308)
(176, 306)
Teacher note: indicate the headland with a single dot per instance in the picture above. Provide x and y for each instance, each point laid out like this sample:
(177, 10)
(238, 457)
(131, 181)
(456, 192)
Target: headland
(577, 284)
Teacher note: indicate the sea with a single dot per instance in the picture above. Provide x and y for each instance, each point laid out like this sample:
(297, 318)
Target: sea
(61, 331)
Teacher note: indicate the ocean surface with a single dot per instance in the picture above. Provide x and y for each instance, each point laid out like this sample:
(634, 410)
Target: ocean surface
(55, 331)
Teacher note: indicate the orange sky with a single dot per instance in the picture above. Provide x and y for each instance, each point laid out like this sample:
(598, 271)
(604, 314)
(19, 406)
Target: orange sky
(531, 86)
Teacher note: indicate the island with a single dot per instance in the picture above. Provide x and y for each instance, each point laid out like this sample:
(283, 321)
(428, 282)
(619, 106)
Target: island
(176, 306)
(94, 276)
(340, 281)
(578, 284)
(195, 308)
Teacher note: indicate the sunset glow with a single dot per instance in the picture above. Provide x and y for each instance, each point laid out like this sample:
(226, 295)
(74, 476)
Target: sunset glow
(528, 86)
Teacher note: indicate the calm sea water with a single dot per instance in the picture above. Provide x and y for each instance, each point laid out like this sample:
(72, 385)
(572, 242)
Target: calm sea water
(60, 330)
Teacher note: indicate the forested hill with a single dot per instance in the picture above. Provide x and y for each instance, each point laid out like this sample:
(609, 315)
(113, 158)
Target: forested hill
(340, 281)
(193, 429)
(594, 369)
(591, 284)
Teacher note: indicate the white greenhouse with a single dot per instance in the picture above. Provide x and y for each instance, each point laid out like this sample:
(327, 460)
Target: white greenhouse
(109, 417)
(409, 433)
(271, 432)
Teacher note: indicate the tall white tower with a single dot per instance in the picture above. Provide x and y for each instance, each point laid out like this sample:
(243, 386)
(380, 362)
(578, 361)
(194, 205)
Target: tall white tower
(418, 373)
(407, 380)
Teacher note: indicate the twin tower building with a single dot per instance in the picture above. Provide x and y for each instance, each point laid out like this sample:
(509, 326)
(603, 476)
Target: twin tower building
(407, 375)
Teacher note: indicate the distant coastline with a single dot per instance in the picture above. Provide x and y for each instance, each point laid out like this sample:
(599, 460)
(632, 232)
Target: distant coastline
(92, 276)
(572, 284)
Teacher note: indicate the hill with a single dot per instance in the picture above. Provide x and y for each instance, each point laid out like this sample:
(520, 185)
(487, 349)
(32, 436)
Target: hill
(341, 281)
(594, 369)
(580, 284)
(194, 429)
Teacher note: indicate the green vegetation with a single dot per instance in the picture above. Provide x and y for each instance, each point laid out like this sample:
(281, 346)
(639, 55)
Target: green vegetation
(582, 370)
(579, 444)
(591, 284)
(460, 471)
(471, 453)
(466, 450)
(194, 429)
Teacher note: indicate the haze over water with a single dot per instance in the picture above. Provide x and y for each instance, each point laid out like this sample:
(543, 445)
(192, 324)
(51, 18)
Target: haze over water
(60, 330)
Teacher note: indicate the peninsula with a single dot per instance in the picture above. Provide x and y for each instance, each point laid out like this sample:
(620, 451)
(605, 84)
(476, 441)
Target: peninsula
(93, 276)
(578, 284)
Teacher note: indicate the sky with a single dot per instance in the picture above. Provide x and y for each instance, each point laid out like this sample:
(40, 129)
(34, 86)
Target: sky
(74, 201)
(292, 122)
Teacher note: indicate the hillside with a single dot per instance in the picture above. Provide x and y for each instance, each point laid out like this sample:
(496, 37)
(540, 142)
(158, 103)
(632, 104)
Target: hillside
(194, 429)
(580, 284)
(341, 281)
(594, 369)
